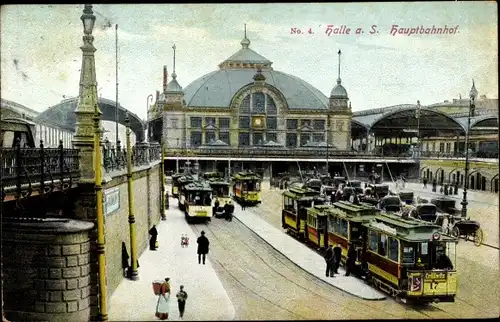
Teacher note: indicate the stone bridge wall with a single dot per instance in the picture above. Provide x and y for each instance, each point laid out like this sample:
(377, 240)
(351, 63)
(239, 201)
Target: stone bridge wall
(146, 199)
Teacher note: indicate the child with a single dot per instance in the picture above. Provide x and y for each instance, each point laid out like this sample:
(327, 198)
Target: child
(184, 240)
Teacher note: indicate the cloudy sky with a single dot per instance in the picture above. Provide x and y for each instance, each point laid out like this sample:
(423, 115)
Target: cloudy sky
(41, 59)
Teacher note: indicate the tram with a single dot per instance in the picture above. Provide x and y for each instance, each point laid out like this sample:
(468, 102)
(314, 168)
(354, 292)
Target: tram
(411, 259)
(175, 184)
(182, 182)
(220, 191)
(294, 214)
(344, 226)
(198, 201)
(246, 188)
(316, 233)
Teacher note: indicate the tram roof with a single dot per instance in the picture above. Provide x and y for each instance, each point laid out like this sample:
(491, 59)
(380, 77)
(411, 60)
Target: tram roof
(246, 176)
(198, 186)
(413, 230)
(318, 210)
(218, 181)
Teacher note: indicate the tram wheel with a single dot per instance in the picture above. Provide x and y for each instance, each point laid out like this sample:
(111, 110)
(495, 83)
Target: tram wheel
(478, 237)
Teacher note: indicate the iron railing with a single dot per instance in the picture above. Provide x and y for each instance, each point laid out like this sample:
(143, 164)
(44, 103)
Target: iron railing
(115, 158)
(28, 171)
(271, 152)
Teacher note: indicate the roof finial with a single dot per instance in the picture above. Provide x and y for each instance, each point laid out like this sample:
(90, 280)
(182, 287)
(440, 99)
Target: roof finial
(338, 79)
(174, 75)
(245, 42)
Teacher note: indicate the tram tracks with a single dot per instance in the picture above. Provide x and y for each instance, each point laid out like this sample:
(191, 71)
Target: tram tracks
(273, 263)
(455, 310)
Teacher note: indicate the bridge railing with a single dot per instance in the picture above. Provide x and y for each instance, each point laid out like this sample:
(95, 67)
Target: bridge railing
(42, 170)
(115, 158)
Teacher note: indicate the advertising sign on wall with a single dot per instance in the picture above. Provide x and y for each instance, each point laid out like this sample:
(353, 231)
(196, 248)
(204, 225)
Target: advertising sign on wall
(111, 200)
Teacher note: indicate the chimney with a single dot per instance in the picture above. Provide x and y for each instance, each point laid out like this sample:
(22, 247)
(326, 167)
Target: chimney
(165, 78)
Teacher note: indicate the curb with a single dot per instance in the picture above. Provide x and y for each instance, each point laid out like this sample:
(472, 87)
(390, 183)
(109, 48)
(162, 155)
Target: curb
(305, 270)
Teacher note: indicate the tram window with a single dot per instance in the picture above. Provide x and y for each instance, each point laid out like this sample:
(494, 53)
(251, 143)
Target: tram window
(408, 255)
(321, 224)
(331, 224)
(373, 240)
(355, 233)
(393, 249)
(257, 186)
(382, 245)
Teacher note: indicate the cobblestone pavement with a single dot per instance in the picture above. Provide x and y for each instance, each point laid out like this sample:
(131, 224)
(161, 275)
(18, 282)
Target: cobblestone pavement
(478, 287)
(482, 206)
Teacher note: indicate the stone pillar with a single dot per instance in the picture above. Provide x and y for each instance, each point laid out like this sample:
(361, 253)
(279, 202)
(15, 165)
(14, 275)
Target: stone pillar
(53, 284)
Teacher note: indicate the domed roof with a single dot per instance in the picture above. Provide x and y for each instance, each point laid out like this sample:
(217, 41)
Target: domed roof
(338, 91)
(217, 89)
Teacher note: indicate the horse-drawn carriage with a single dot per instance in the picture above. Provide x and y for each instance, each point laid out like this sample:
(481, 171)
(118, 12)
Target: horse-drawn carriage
(390, 203)
(406, 197)
(458, 226)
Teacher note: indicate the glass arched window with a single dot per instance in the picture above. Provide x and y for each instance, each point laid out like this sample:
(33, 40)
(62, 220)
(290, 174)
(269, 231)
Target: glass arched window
(262, 106)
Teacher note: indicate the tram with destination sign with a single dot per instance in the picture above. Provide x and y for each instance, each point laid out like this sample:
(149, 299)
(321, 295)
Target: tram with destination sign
(411, 259)
(198, 201)
(408, 258)
(294, 214)
(246, 187)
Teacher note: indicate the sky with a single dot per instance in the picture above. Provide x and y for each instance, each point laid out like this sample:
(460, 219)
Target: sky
(41, 56)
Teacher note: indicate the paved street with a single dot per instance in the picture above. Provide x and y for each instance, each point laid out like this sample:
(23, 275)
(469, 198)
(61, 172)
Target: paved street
(208, 300)
(482, 206)
(478, 288)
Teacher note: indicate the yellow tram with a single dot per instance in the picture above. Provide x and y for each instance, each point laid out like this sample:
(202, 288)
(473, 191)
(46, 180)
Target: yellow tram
(344, 220)
(175, 185)
(220, 191)
(294, 214)
(246, 187)
(411, 259)
(198, 201)
(316, 233)
(182, 182)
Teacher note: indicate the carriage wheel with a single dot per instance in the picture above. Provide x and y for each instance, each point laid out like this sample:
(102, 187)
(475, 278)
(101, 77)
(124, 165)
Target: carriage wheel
(478, 237)
(455, 232)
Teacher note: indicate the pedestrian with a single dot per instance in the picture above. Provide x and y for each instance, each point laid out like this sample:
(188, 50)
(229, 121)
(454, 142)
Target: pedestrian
(434, 185)
(337, 252)
(181, 300)
(154, 235)
(163, 300)
(203, 244)
(228, 211)
(351, 260)
(125, 258)
(425, 182)
(330, 261)
(243, 205)
(216, 206)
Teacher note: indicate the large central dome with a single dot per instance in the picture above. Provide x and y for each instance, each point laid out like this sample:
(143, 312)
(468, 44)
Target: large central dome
(216, 89)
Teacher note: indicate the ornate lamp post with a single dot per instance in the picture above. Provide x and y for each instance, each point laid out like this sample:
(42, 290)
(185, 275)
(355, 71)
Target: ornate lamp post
(149, 100)
(472, 95)
(134, 275)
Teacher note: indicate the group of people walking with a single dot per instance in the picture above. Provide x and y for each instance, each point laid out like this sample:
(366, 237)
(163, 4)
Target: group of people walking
(333, 256)
(162, 305)
(227, 210)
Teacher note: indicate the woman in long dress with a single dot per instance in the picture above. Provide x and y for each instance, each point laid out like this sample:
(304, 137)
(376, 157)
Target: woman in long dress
(163, 300)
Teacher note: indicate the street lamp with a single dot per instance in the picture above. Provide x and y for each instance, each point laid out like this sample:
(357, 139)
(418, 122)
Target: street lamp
(88, 20)
(148, 100)
(472, 95)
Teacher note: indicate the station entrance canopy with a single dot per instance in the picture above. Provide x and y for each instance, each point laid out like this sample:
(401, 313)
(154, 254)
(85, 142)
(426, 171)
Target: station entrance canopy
(402, 121)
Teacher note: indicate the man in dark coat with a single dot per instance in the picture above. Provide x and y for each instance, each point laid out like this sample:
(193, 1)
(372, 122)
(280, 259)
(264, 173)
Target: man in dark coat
(125, 258)
(337, 251)
(203, 244)
(434, 185)
(154, 235)
(425, 182)
(330, 261)
(228, 210)
(351, 260)
(216, 206)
